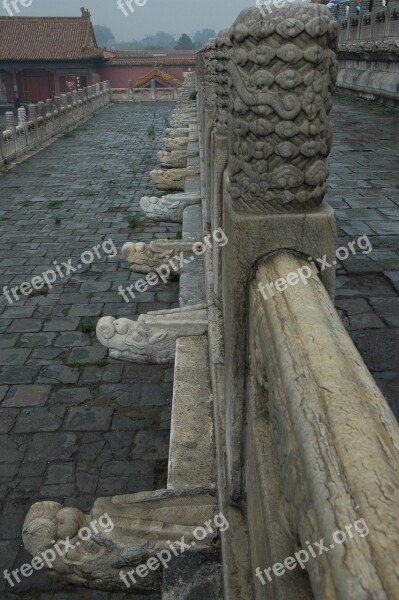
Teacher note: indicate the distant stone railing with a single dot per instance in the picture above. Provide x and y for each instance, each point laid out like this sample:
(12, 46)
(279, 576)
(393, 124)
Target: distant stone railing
(306, 443)
(381, 23)
(368, 54)
(146, 94)
(46, 120)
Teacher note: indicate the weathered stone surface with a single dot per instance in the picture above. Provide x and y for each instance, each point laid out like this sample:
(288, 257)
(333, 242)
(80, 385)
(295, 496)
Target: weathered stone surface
(147, 258)
(335, 446)
(91, 418)
(173, 179)
(27, 395)
(145, 512)
(152, 338)
(169, 207)
(192, 434)
(62, 446)
(33, 420)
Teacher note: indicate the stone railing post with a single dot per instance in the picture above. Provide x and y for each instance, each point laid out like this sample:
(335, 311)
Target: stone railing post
(219, 149)
(10, 119)
(23, 121)
(207, 73)
(22, 116)
(57, 107)
(32, 112)
(282, 75)
(153, 90)
(130, 91)
(32, 116)
(70, 110)
(10, 125)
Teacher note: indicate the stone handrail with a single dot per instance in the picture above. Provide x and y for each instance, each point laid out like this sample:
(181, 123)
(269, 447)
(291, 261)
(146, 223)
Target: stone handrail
(49, 119)
(334, 438)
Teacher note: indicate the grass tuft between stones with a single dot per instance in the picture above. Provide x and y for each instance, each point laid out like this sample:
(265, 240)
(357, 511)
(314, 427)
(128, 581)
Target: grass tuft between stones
(86, 325)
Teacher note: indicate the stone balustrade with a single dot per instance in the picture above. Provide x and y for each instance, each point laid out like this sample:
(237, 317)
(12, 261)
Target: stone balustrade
(45, 121)
(368, 53)
(306, 443)
(131, 94)
(382, 23)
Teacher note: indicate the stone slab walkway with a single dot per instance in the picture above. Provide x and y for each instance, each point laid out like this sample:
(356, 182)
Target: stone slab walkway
(75, 425)
(364, 190)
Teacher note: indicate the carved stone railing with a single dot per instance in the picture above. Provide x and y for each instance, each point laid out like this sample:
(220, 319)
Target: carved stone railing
(46, 120)
(382, 23)
(305, 441)
(279, 74)
(130, 94)
(331, 438)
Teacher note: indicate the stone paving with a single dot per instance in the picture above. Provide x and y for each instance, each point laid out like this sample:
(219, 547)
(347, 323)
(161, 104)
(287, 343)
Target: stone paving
(76, 425)
(364, 190)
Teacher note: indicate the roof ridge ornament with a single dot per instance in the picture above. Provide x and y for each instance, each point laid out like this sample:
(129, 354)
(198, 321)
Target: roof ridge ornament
(85, 13)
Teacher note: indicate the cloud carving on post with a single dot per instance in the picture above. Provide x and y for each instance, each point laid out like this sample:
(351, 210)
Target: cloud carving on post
(282, 74)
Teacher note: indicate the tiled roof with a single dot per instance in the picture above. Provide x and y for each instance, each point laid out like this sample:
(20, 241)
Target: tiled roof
(49, 38)
(153, 57)
(165, 77)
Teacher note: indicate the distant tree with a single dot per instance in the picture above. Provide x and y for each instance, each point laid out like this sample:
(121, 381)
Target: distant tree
(160, 41)
(201, 37)
(104, 36)
(133, 45)
(185, 43)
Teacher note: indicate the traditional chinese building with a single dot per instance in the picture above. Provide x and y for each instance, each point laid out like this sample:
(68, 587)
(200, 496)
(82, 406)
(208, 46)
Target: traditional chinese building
(42, 57)
(164, 68)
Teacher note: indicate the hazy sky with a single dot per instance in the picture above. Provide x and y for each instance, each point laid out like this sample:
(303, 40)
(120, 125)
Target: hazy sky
(173, 16)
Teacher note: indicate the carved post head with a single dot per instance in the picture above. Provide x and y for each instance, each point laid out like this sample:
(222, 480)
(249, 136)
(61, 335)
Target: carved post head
(208, 74)
(32, 112)
(10, 119)
(41, 108)
(282, 75)
(21, 115)
(223, 46)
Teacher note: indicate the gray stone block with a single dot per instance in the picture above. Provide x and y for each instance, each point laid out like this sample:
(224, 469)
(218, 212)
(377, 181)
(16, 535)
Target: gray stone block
(27, 395)
(89, 419)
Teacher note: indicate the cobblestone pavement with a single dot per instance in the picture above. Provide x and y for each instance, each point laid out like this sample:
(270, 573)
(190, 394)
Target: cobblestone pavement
(75, 425)
(364, 190)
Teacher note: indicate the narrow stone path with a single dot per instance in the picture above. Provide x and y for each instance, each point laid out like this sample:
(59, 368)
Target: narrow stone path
(364, 190)
(75, 425)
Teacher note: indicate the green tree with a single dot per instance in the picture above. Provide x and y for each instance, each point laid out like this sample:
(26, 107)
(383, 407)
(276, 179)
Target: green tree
(201, 37)
(185, 43)
(104, 36)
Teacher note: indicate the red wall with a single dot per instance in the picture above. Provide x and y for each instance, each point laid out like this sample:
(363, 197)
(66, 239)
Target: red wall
(119, 76)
